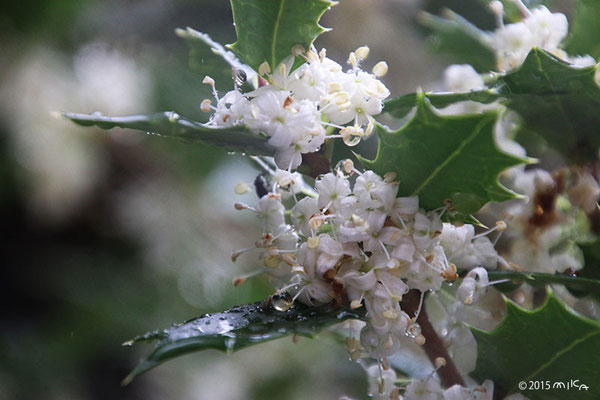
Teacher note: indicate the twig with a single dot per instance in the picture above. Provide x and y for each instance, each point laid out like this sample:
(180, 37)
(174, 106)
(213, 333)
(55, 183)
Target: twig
(434, 346)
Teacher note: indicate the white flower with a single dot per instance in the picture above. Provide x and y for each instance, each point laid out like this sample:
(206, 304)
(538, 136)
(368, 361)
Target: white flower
(381, 382)
(547, 29)
(457, 392)
(512, 43)
(373, 192)
(428, 389)
(540, 28)
(230, 109)
(462, 78)
(585, 193)
(302, 213)
(313, 79)
(331, 251)
(465, 252)
(423, 277)
(313, 288)
(270, 212)
(332, 190)
(583, 61)
(473, 286)
(357, 96)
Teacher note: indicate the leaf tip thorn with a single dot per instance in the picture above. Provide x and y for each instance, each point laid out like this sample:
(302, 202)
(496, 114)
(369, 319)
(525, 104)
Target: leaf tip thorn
(127, 379)
(57, 114)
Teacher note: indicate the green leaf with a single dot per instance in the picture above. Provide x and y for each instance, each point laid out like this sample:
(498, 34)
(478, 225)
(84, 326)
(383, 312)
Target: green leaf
(268, 29)
(443, 158)
(211, 58)
(399, 107)
(235, 138)
(557, 102)
(551, 343)
(578, 283)
(239, 327)
(585, 30)
(454, 35)
(591, 266)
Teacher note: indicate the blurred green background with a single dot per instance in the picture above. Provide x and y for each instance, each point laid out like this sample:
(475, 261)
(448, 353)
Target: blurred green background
(108, 235)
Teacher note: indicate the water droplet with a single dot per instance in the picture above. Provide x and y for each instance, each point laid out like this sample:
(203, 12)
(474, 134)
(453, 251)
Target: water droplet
(229, 345)
(282, 301)
(173, 116)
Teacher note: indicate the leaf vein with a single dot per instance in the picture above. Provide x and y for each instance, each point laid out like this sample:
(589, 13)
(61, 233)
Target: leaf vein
(450, 158)
(276, 33)
(560, 353)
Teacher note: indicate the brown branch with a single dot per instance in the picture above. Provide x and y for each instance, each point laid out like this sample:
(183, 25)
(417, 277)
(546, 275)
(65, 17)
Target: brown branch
(434, 346)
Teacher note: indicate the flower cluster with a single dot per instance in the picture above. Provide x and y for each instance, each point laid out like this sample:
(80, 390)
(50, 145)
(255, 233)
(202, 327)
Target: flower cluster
(355, 241)
(539, 28)
(293, 107)
(542, 227)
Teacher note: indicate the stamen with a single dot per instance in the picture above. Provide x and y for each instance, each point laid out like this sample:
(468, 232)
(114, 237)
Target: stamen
(243, 206)
(380, 69)
(498, 281)
(264, 69)
(298, 50)
(500, 226)
(243, 278)
(522, 7)
(420, 306)
(211, 82)
(241, 188)
(439, 362)
(298, 293)
(498, 10)
(205, 105)
(352, 60)
(384, 249)
(237, 253)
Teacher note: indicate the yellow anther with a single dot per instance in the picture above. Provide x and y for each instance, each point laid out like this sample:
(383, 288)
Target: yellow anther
(380, 69)
(362, 53)
(205, 105)
(242, 188)
(264, 69)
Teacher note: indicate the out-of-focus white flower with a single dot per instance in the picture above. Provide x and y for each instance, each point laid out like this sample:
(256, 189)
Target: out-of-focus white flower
(63, 163)
(462, 78)
(381, 382)
(427, 389)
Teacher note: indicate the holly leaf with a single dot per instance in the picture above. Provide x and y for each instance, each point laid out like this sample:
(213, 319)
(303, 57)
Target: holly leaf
(170, 124)
(399, 107)
(550, 344)
(580, 284)
(268, 29)
(454, 35)
(585, 29)
(591, 255)
(443, 158)
(237, 328)
(211, 58)
(557, 101)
